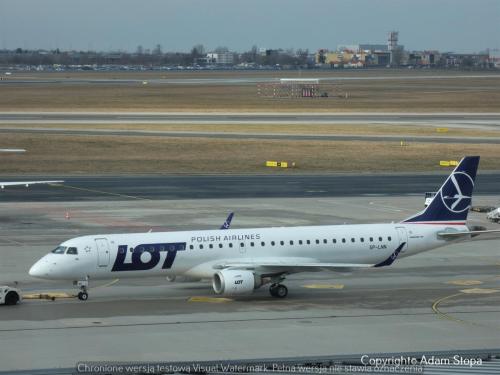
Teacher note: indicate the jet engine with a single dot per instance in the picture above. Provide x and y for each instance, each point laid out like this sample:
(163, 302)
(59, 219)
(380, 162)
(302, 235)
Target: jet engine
(234, 282)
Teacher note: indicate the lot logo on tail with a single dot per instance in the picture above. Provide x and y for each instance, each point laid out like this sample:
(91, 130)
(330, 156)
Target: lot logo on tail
(456, 193)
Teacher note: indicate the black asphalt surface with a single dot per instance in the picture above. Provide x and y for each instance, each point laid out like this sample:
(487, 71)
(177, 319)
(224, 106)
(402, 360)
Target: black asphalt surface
(233, 186)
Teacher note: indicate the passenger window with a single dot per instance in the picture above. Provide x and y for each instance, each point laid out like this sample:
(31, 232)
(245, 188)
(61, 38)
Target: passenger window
(380, 239)
(230, 244)
(352, 239)
(251, 244)
(371, 239)
(317, 241)
(325, 241)
(262, 243)
(291, 242)
(201, 246)
(72, 251)
(362, 239)
(242, 244)
(211, 246)
(343, 240)
(308, 242)
(131, 249)
(191, 247)
(334, 240)
(282, 243)
(389, 238)
(272, 243)
(300, 242)
(220, 246)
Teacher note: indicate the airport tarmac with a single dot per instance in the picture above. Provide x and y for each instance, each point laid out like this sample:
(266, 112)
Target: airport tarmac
(223, 186)
(445, 299)
(450, 119)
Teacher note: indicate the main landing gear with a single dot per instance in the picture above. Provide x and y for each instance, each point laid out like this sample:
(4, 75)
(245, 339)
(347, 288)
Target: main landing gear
(278, 290)
(83, 295)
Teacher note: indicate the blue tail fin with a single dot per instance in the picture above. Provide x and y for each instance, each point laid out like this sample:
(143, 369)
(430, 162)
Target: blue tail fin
(453, 200)
(227, 223)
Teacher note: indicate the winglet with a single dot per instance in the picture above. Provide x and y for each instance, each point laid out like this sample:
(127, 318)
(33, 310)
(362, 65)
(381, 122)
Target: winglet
(392, 258)
(227, 223)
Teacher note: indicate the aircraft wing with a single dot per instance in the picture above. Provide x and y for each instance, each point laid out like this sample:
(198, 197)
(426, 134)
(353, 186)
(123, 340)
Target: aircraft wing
(289, 265)
(292, 265)
(28, 183)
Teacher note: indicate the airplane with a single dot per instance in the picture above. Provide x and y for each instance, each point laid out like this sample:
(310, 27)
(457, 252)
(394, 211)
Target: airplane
(25, 183)
(239, 261)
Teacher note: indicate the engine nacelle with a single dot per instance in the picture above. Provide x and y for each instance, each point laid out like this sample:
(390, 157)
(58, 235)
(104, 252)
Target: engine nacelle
(234, 282)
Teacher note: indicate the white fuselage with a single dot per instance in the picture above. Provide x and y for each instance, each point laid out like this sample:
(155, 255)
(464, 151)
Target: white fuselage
(196, 253)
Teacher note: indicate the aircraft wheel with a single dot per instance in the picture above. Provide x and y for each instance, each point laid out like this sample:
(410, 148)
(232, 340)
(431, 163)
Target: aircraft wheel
(83, 296)
(278, 290)
(11, 298)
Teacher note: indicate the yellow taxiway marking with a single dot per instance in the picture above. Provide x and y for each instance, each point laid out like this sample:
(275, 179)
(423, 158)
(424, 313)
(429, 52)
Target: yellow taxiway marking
(103, 192)
(48, 295)
(443, 314)
(464, 282)
(324, 286)
(113, 282)
(210, 299)
(479, 291)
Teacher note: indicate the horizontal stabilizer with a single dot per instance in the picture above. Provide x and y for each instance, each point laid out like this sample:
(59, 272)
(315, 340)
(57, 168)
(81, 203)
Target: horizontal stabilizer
(472, 233)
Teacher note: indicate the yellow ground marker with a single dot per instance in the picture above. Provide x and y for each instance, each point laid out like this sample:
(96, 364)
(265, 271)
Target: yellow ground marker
(479, 291)
(324, 286)
(464, 282)
(210, 299)
(49, 295)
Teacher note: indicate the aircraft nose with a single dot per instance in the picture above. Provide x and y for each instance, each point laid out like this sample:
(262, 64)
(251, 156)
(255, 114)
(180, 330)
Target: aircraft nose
(39, 269)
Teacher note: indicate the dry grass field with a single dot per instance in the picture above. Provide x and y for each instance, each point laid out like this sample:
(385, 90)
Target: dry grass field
(439, 91)
(400, 93)
(61, 154)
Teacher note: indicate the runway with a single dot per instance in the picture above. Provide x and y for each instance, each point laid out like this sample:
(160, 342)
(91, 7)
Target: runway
(234, 80)
(268, 136)
(457, 118)
(220, 186)
(446, 299)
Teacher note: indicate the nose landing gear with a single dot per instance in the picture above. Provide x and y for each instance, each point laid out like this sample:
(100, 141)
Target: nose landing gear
(83, 285)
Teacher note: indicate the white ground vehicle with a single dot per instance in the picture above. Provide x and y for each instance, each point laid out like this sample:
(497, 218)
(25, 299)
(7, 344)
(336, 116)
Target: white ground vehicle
(494, 215)
(9, 296)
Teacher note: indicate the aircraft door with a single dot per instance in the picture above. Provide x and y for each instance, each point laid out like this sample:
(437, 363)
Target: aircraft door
(102, 252)
(403, 237)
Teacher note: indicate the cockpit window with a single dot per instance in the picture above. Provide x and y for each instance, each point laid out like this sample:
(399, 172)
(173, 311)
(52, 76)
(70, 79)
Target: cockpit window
(72, 250)
(59, 250)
